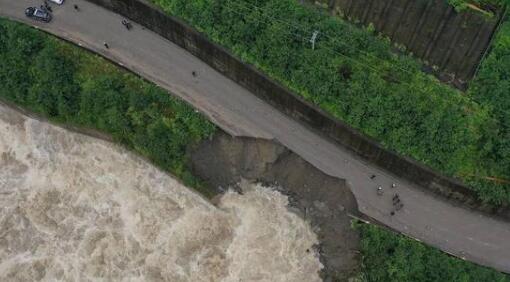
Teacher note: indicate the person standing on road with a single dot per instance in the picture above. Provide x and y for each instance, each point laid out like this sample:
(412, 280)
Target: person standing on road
(106, 45)
(379, 191)
(47, 6)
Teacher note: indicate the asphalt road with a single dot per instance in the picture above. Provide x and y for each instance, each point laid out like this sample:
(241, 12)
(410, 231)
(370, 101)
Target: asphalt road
(458, 231)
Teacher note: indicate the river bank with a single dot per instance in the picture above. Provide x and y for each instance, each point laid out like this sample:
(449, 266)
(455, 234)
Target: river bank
(80, 208)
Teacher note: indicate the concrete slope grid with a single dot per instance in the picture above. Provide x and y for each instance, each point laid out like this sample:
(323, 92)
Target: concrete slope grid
(454, 42)
(451, 228)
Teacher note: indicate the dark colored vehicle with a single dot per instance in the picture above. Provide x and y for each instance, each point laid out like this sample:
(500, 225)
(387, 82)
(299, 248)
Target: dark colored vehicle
(38, 14)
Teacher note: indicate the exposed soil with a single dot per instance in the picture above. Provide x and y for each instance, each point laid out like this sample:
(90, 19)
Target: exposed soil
(326, 202)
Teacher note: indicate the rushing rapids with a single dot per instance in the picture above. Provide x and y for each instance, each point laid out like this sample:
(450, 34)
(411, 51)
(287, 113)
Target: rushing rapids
(75, 208)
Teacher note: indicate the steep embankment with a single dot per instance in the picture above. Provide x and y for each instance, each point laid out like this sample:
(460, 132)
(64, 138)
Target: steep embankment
(327, 202)
(75, 208)
(355, 77)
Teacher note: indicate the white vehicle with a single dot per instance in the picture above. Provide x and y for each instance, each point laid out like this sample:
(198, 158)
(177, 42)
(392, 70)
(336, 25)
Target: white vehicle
(58, 2)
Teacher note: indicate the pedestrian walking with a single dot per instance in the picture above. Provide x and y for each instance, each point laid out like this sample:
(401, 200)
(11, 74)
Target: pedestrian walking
(393, 185)
(396, 199)
(372, 176)
(76, 7)
(47, 6)
(106, 45)
(379, 191)
(194, 73)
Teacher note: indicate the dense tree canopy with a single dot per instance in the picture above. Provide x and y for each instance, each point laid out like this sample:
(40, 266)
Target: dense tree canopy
(69, 85)
(491, 88)
(390, 257)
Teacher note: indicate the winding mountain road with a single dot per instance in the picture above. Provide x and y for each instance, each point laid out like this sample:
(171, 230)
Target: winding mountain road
(463, 233)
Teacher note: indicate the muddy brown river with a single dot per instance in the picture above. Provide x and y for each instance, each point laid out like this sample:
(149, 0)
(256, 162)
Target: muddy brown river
(76, 208)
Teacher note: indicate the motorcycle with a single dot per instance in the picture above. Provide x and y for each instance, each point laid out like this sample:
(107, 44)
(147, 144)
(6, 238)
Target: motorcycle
(127, 24)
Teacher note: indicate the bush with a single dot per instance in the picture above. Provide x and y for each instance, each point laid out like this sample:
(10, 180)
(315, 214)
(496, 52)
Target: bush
(491, 89)
(391, 257)
(68, 85)
(356, 77)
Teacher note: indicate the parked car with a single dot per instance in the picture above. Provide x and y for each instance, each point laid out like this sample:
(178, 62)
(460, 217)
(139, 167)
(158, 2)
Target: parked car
(38, 14)
(58, 2)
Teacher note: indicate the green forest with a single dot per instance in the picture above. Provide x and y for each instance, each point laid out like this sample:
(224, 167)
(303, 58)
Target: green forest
(71, 86)
(390, 257)
(354, 75)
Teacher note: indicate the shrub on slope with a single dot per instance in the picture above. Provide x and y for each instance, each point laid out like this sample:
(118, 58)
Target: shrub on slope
(356, 77)
(68, 85)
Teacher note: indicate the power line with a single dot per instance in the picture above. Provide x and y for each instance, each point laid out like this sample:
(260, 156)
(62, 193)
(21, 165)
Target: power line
(289, 33)
(364, 63)
(332, 38)
(306, 38)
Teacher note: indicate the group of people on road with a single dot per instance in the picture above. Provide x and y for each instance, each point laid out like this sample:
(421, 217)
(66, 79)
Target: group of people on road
(397, 203)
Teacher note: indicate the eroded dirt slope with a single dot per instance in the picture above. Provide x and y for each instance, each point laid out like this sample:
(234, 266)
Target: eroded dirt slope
(77, 208)
(326, 202)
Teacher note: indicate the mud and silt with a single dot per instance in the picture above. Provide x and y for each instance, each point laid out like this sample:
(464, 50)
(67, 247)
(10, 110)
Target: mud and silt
(76, 208)
(324, 201)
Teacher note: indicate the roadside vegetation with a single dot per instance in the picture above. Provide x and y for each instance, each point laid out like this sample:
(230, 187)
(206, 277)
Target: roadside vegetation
(491, 90)
(355, 76)
(391, 257)
(384, 95)
(68, 85)
(461, 5)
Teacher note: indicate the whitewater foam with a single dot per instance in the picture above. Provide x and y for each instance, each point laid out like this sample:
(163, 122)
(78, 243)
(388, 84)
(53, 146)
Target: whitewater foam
(75, 208)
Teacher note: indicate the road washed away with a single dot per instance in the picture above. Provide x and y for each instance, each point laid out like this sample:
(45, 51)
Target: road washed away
(77, 208)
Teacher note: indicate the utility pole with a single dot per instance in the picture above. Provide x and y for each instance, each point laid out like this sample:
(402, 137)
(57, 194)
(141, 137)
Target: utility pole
(314, 37)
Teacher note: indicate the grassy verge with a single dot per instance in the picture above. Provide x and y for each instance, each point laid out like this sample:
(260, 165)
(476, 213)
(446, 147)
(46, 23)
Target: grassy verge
(390, 257)
(353, 75)
(68, 85)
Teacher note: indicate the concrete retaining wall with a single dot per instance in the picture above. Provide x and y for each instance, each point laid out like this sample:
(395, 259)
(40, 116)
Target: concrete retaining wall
(431, 29)
(292, 104)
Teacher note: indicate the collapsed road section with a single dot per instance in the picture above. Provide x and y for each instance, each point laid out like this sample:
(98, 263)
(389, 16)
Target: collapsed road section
(453, 229)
